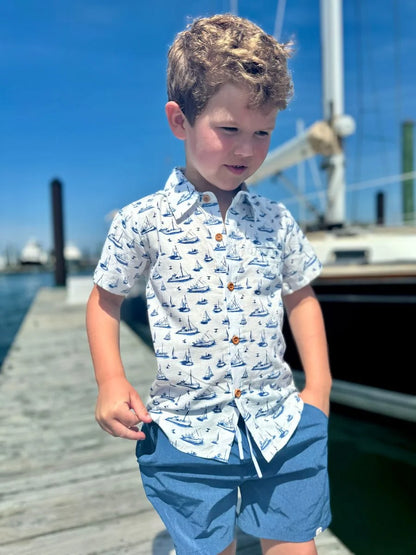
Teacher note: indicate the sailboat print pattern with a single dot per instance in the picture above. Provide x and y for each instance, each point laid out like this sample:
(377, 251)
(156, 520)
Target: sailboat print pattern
(214, 292)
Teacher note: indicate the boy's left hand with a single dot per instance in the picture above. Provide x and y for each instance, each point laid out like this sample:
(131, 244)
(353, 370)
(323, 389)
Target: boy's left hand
(318, 399)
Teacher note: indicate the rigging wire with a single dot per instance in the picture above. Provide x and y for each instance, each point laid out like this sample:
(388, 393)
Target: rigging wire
(375, 102)
(278, 24)
(387, 181)
(360, 109)
(234, 7)
(397, 58)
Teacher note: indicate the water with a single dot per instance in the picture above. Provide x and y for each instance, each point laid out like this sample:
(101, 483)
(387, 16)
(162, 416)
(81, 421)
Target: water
(16, 294)
(372, 467)
(372, 460)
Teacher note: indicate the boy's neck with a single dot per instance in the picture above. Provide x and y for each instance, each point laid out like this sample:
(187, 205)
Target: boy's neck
(224, 198)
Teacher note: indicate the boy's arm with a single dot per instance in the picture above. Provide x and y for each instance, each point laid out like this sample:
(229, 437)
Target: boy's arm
(119, 407)
(307, 326)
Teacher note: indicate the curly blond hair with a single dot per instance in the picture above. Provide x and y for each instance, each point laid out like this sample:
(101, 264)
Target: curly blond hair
(221, 49)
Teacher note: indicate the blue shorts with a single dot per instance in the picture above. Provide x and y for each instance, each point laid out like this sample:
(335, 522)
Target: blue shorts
(197, 498)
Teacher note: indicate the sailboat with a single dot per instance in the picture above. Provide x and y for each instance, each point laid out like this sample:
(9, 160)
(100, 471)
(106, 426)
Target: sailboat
(368, 283)
(193, 437)
(183, 421)
(344, 250)
(188, 329)
(191, 384)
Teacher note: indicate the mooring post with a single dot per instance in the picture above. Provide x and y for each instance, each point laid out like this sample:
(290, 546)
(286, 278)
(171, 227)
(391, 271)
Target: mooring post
(58, 232)
(408, 167)
(380, 205)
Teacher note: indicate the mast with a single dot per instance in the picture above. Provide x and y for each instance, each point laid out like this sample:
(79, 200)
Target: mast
(333, 106)
(324, 137)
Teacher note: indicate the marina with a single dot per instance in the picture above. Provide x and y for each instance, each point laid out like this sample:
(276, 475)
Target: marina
(66, 487)
(55, 468)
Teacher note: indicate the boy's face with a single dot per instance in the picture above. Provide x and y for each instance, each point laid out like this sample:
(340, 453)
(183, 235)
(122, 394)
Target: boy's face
(228, 141)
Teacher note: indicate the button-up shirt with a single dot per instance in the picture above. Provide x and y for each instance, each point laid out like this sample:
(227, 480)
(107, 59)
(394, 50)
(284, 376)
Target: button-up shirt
(214, 293)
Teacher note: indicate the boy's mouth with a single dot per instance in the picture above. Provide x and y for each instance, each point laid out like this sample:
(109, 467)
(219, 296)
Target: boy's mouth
(236, 169)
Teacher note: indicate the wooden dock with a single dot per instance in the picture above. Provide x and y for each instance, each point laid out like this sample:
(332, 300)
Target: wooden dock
(66, 487)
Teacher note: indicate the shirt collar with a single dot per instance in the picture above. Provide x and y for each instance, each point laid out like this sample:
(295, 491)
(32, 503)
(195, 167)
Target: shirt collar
(182, 196)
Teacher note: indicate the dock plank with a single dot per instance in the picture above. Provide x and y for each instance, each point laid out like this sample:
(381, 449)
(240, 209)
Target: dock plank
(65, 486)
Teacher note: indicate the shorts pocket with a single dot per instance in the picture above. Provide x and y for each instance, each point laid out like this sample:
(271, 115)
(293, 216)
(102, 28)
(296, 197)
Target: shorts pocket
(318, 410)
(146, 447)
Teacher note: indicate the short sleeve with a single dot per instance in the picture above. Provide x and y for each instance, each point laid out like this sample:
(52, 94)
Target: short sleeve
(123, 257)
(300, 263)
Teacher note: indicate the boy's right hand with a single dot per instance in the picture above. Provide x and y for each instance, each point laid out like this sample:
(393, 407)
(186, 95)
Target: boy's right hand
(119, 409)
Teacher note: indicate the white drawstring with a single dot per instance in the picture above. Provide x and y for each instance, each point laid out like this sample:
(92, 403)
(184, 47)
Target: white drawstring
(241, 451)
(239, 442)
(253, 456)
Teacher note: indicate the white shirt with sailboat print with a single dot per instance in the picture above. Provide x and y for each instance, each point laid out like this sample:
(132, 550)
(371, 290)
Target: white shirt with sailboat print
(214, 295)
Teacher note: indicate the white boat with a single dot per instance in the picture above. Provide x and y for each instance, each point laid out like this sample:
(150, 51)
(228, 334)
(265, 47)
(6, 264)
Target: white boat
(33, 254)
(72, 253)
(344, 249)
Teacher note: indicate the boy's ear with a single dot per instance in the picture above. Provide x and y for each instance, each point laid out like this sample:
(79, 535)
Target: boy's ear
(176, 119)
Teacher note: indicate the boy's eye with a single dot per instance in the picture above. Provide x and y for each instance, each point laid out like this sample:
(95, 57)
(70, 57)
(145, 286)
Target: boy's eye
(262, 133)
(229, 129)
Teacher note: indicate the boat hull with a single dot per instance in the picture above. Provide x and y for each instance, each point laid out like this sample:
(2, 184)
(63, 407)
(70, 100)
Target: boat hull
(369, 325)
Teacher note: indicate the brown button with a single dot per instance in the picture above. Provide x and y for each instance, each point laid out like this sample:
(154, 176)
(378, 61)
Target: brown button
(235, 339)
(218, 237)
(230, 286)
(237, 393)
(206, 198)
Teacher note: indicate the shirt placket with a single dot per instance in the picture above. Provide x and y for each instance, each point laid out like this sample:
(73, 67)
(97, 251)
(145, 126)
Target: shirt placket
(221, 245)
(234, 298)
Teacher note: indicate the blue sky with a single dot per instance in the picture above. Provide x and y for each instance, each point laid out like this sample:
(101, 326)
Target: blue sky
(83, 93)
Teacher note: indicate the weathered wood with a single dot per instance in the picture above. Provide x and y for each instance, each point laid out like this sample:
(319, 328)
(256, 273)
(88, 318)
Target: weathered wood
(65, 486)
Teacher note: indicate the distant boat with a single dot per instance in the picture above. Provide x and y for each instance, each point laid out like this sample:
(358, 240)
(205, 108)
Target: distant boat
(33, 254)
(72, 253)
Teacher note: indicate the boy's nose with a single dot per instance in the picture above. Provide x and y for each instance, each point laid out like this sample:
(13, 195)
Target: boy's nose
(244, 148)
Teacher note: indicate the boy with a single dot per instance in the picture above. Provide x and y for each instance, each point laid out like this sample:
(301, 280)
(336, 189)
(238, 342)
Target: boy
(223, 416)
